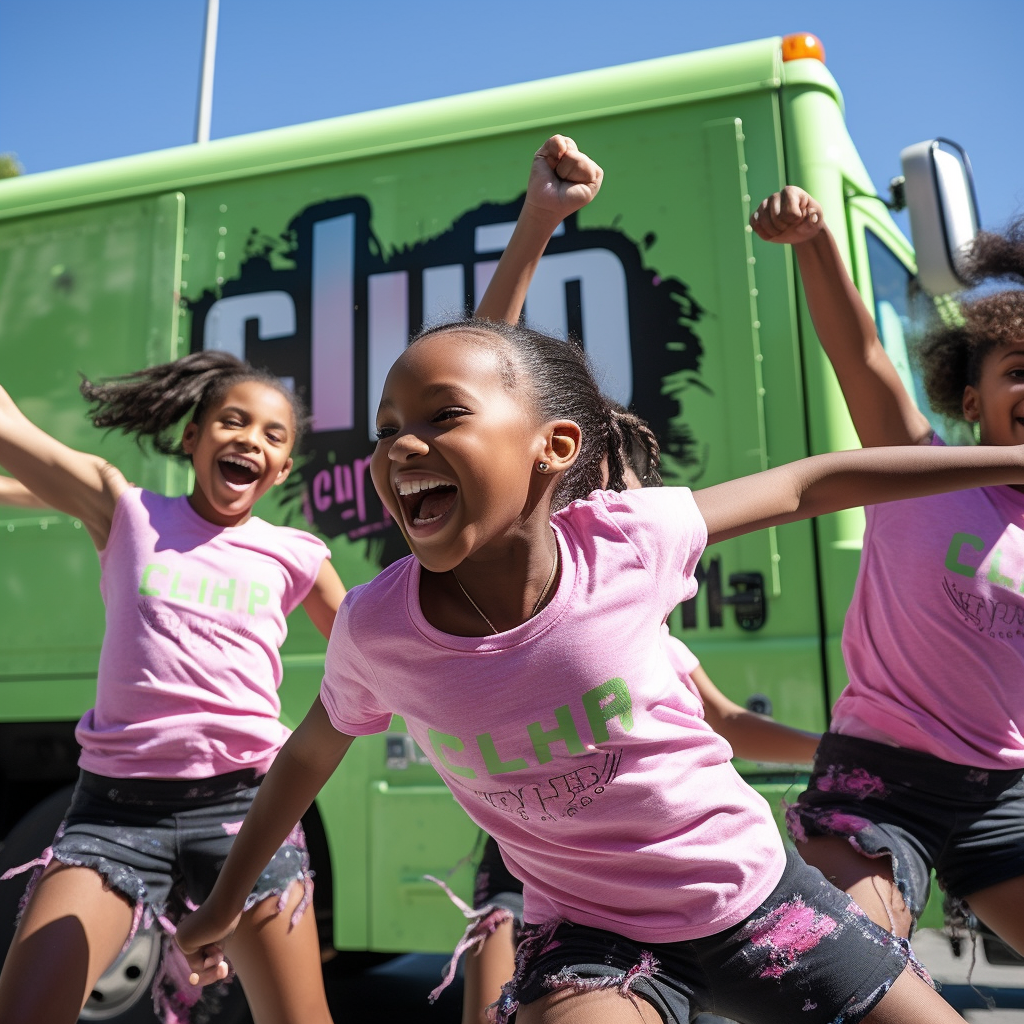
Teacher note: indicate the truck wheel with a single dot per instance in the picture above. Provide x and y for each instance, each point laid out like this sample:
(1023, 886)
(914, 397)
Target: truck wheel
(122, 995)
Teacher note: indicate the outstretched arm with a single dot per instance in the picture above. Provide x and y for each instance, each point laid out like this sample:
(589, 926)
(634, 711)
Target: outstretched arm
(868, 476)
(85, 486)
(14, 492)
(752, 736)
(304, 764)
(562, 181)
(882, 411)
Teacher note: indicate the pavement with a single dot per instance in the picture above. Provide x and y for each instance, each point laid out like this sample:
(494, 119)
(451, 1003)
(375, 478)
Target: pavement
(985, 992)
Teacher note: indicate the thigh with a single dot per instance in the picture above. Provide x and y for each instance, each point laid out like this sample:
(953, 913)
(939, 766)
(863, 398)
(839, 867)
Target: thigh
(807, 953)
(277, 958)
(486, 970)
(1001, 907)
(71, 931)
(607, 1006)
(911, 1001)
(868, 880)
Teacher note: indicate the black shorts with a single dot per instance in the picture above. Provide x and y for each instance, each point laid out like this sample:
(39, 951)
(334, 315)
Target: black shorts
(807, 954)
(495, 885)
(922, 812)
(160, 843)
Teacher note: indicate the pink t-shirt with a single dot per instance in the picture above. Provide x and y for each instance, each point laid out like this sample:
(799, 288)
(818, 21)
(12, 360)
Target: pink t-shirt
(569, 738)
(190, 666)
(683, 662)
(934, 638)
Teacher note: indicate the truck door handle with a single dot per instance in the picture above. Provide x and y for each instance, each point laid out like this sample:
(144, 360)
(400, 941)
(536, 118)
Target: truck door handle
(748, 603)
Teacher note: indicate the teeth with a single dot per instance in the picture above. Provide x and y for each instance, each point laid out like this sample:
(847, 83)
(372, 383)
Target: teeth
(415, 486)
(239, 461)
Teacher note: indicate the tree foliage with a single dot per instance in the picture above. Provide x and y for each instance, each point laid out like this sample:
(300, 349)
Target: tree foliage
(10, 166)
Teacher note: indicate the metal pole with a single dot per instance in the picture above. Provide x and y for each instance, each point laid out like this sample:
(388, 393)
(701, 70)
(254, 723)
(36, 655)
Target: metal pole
(205, 111)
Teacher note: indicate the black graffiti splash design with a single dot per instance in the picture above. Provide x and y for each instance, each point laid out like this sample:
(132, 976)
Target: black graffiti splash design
(665, 352)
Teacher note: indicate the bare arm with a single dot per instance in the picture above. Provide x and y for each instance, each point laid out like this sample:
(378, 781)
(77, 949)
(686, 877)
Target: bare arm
(85, 486)
(882, 411)
(298, 773)
(868, 476)
(325, 597)
(14, 492)
(752, 736)
(562, 181)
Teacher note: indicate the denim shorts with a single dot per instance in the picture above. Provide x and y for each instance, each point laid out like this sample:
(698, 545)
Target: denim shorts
(922, 812)
(807, 954)
(160, 843)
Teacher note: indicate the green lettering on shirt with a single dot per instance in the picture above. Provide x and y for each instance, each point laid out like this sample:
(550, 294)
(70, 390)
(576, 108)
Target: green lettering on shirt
(259, 593)
(620, 707)
(495, 765)
(995, 576)
(565, 731)
(953, 563)
(175, 592)
(144, 588)
(224, 590)
(440, 740)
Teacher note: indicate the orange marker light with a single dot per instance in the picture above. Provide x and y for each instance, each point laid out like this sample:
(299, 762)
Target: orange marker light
(802, 44)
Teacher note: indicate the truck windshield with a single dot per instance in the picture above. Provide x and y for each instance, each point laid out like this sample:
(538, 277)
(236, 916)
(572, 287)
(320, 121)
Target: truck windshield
(904, 313)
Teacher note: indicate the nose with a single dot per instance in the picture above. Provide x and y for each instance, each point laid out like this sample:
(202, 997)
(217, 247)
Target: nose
(407, 445)
(248, 435)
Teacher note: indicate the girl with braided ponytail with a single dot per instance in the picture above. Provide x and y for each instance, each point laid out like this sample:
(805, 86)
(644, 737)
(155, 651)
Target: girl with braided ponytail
(186, 718)
(633, 461)
(923, 766)
(521, 644)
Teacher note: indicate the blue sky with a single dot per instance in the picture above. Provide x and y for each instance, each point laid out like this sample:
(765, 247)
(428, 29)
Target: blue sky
(84, 81)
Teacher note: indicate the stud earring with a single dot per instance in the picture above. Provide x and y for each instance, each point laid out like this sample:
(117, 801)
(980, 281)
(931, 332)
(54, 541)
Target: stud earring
(542, 467)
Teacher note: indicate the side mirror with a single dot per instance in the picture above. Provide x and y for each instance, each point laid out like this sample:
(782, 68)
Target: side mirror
(940, 196)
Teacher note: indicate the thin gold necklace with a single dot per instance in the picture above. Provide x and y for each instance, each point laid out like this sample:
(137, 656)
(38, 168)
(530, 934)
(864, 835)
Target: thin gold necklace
(537, 604)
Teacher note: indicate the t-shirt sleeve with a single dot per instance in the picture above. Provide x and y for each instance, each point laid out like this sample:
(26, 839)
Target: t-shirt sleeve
(349, 690)
(668, 533)
(303, 554)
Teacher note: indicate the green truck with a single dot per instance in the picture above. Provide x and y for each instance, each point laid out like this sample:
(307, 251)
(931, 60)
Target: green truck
(315, 251)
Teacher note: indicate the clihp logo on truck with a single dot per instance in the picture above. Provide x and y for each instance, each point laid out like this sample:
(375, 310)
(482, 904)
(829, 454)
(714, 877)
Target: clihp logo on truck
(328, 308)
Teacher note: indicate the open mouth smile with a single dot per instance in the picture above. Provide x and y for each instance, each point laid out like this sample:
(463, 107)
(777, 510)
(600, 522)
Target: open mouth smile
(426, 501)
(238, 471)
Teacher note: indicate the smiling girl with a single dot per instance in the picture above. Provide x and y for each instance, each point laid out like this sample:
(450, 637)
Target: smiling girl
(924, 765)
(186, 718)
(521, 644)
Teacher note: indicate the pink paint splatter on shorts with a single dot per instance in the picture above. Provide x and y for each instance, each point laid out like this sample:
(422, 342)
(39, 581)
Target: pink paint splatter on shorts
(858, 783)
(232, 828)
(788, 932)
(843, 824)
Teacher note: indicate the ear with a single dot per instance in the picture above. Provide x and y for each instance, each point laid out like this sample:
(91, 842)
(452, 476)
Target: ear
(562, 445)
(971, 404)
(283, 474)
(189, 437)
